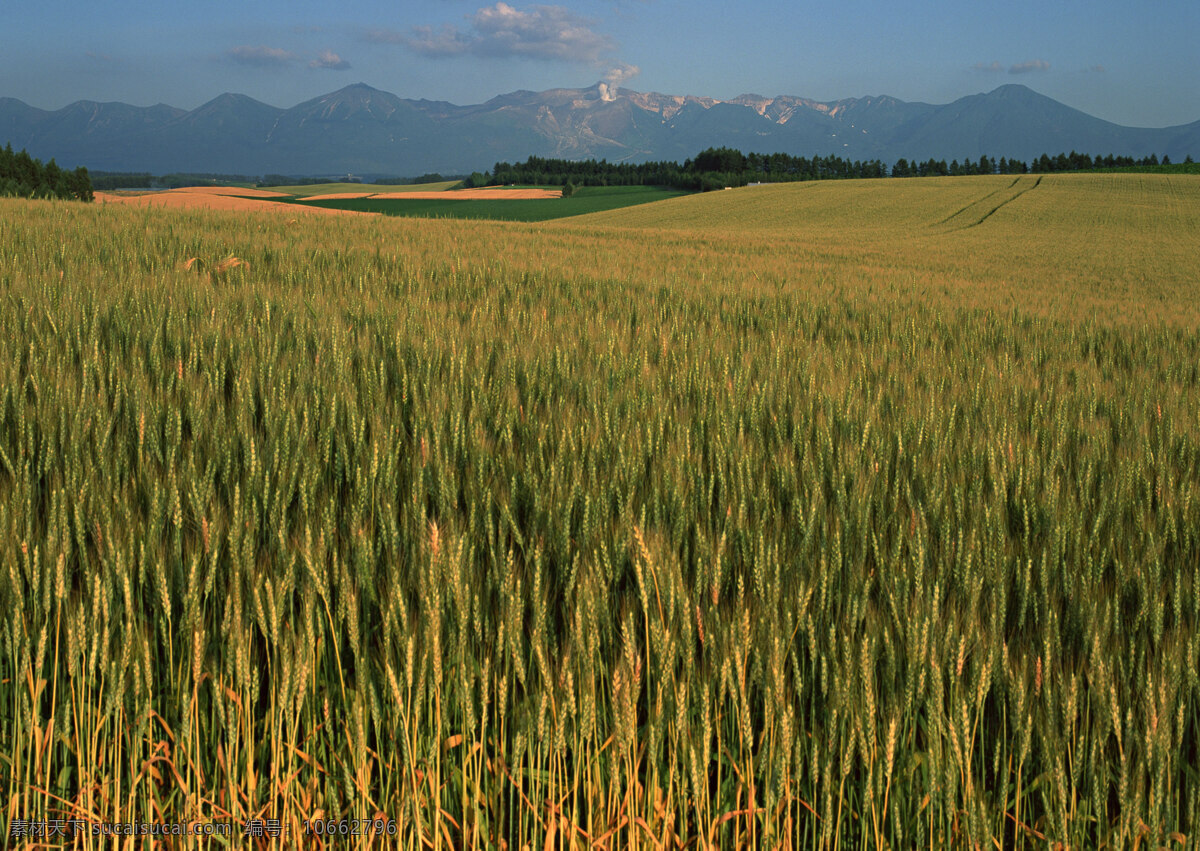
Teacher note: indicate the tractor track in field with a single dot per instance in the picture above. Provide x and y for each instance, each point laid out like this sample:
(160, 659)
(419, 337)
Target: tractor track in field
(978, 202)
(962, 210)
(985, 216)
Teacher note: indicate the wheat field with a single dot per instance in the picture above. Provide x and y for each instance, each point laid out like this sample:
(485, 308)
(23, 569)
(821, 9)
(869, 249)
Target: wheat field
(833, 515)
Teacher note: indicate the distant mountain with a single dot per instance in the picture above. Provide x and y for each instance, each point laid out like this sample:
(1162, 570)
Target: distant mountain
(362, 130)
(1015, 120)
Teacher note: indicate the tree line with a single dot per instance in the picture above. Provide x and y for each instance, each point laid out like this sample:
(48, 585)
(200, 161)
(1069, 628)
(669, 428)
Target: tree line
(1045, 164)
(714, 168)
(109, 180)
(22, 176)
(717, 168)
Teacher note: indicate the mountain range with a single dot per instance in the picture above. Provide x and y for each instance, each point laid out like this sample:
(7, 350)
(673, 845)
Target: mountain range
(365, 131)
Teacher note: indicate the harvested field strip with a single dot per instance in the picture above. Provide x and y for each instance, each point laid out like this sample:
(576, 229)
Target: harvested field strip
(497, 207)
(485, 194)
(310, 189)
(207, 198)
(517, 204)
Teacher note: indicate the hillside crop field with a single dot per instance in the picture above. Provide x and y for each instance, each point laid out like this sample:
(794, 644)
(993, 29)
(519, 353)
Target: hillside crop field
(588, 199)
(831, 515)
(306, 190)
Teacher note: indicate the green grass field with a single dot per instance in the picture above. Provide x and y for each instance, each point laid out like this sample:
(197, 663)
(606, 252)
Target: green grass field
(585, 200)
(857, 514)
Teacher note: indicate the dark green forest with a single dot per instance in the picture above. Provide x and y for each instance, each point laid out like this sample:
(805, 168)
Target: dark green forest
(1045, 164)
(23, 176)
(717, 168)
(714, 168)
(110, 180)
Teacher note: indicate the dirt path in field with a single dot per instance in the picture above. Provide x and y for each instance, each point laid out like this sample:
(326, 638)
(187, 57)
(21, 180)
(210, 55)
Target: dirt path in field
(215, 198)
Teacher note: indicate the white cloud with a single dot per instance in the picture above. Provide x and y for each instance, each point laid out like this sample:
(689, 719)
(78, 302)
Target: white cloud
(329, 60)
(990, 67)
(1027, 67)
(536, 32)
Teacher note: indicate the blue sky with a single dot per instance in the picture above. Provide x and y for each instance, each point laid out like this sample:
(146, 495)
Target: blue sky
(1135, 64)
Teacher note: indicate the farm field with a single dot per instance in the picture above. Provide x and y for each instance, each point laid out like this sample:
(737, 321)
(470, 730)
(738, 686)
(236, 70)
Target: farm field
(306, 190)
(588, 199)
(527, 204)
(830, 515)
(225, 198)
